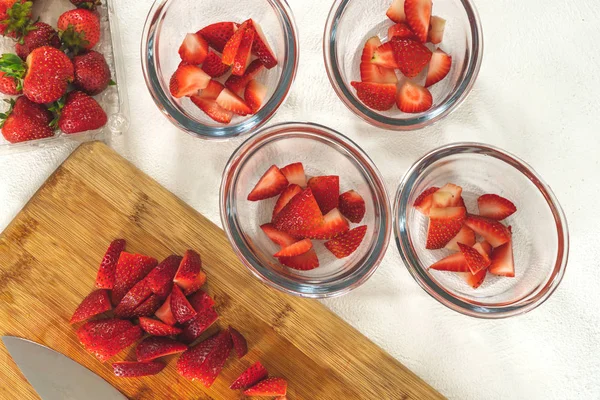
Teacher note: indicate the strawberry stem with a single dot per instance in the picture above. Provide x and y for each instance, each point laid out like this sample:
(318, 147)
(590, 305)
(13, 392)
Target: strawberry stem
(5, 115)
(56, 109)
(19, 19)
(14, 67)
(72, 40)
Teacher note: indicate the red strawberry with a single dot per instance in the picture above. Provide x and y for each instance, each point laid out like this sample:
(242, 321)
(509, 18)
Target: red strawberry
(15, 17)
(455, 191)
(180, 306)
(48, 74)
(252, 375)
(157, 328)
(346, 244)
(197, 325)
(133, 369)
(148, 307)
(38, 35)
(239, 342)
(396, 11)
(413, 98)
(231, 47)
(213, 65)
(285, 197)
(152, 348)
(26, 120)
(164, 312)
(439, 66)
(281, 238)
(484, 247)
(370, 72)
(187, 80)
(81, 113)
(441, 199)
(190, 276)
(491, 230)
(384, 57)
(212, 109)
(475, 280)
(255, 94)
(218, 34)
(495, 207)
(352, 206)
(212, 90)
(326, 190)
(95, 303)
(204, 363)
(378, 96)
(189, 363)
(271, 184)
(411, 56)
(201, 301)
(9, 85)
(106, 272)
(35, 112)
(105, 338)
(303, 262)
(232, 102)
(400, 30)
(301, 215)
(92, 74)
(134, 298)
(261, 48)
(444, 224)
(455, 263)
(418, 15)
(244, 51)
(131, 268)
(79, 29)
(476, 260)
(238, 83)
(295, 249)
(503, 261)
(334, 224)
(464, 236)
(295, 174)
(193, 49)
(437, 25)
(424, 202)
(268, 387)
(160, 279)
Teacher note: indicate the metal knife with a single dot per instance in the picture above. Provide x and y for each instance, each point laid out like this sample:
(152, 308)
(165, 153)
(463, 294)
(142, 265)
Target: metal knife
(54, 376)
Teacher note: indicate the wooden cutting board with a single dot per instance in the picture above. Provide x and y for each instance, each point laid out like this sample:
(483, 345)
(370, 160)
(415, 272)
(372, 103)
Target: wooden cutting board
(48, 260)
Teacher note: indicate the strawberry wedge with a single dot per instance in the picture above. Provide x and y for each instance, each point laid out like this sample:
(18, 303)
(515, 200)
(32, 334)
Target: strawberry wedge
(271, 184)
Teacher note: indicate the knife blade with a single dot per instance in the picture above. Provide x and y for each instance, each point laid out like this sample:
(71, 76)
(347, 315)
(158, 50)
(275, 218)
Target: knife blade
(54, 376)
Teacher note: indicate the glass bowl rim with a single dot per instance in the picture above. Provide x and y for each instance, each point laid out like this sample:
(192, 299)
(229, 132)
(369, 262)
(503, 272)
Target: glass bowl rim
(370, 262)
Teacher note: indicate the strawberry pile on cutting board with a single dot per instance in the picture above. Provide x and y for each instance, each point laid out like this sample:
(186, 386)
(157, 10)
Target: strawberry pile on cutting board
(407, 50)
(55, 72)
(219, 69)
(161, 307)
(308, 210)
(452, 228)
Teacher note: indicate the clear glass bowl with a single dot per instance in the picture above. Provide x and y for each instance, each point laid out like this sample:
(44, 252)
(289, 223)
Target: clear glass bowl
(540, 234)
(323, 151)
(352, 22)
(167, 24)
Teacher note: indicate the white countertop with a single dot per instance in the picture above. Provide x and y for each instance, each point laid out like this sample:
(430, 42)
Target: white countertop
(537, 97)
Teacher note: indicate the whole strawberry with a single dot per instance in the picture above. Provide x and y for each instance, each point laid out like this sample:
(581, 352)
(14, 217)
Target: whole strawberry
(48, 74)
(26, 121)
(38, 35)
(12, 70)
(79, 29)
(81, 113)
(88, 4)
(15, 17)
(9, 85)
(92, 74)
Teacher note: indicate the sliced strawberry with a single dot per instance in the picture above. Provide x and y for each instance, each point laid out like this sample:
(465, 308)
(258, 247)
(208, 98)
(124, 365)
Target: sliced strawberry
(268, 387)
(157, 328)
(188, 364)
(255, 94)
(439, 66)
(413, 98)
(346, 244)
(190, 276)
(95, 303)
(234, 103)
(180, 306)
(334, 224)
(164, 312)
(475, 280)
(503, 261)
(476, 260)
(437, 25)
(491, 230)
(244, 51)
(455, 263)
(370, 72)
(134, 298)
(285, 197)
(418, 15)
(106, 273)
(194, 49)
(188, 80)
(495, 207)
(238, 83)
(425, 200)
(197, 325)
(400, 30)
(160, 279)
(212, 90)
(212, 109)
(411, 56)
(148, 307)
(456, 192)
(441, 199)
(352, 206)
(271, 184)
(239, 342)
(295, 174)
(280, 238)
(201, 301)
(485, 247)
(251, 376)
(218, 34)
(105, 338)
(134, 369)
(153, 347)
(444, 224)
(131, 268)
(303, 262)
(326, 190)
(204, 363)
(383, 56)
(464, 236)
(301, 215)
(378, 96)
(295, 249)
(233, 44)
(261, 47)
(213, 65)
(396, 11)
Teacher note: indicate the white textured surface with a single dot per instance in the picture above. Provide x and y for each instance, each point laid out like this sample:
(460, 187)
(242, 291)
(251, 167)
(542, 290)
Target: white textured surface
(537, 96)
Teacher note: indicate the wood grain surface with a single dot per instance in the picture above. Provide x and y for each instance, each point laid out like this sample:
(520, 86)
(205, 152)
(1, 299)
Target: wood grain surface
(48, 260)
